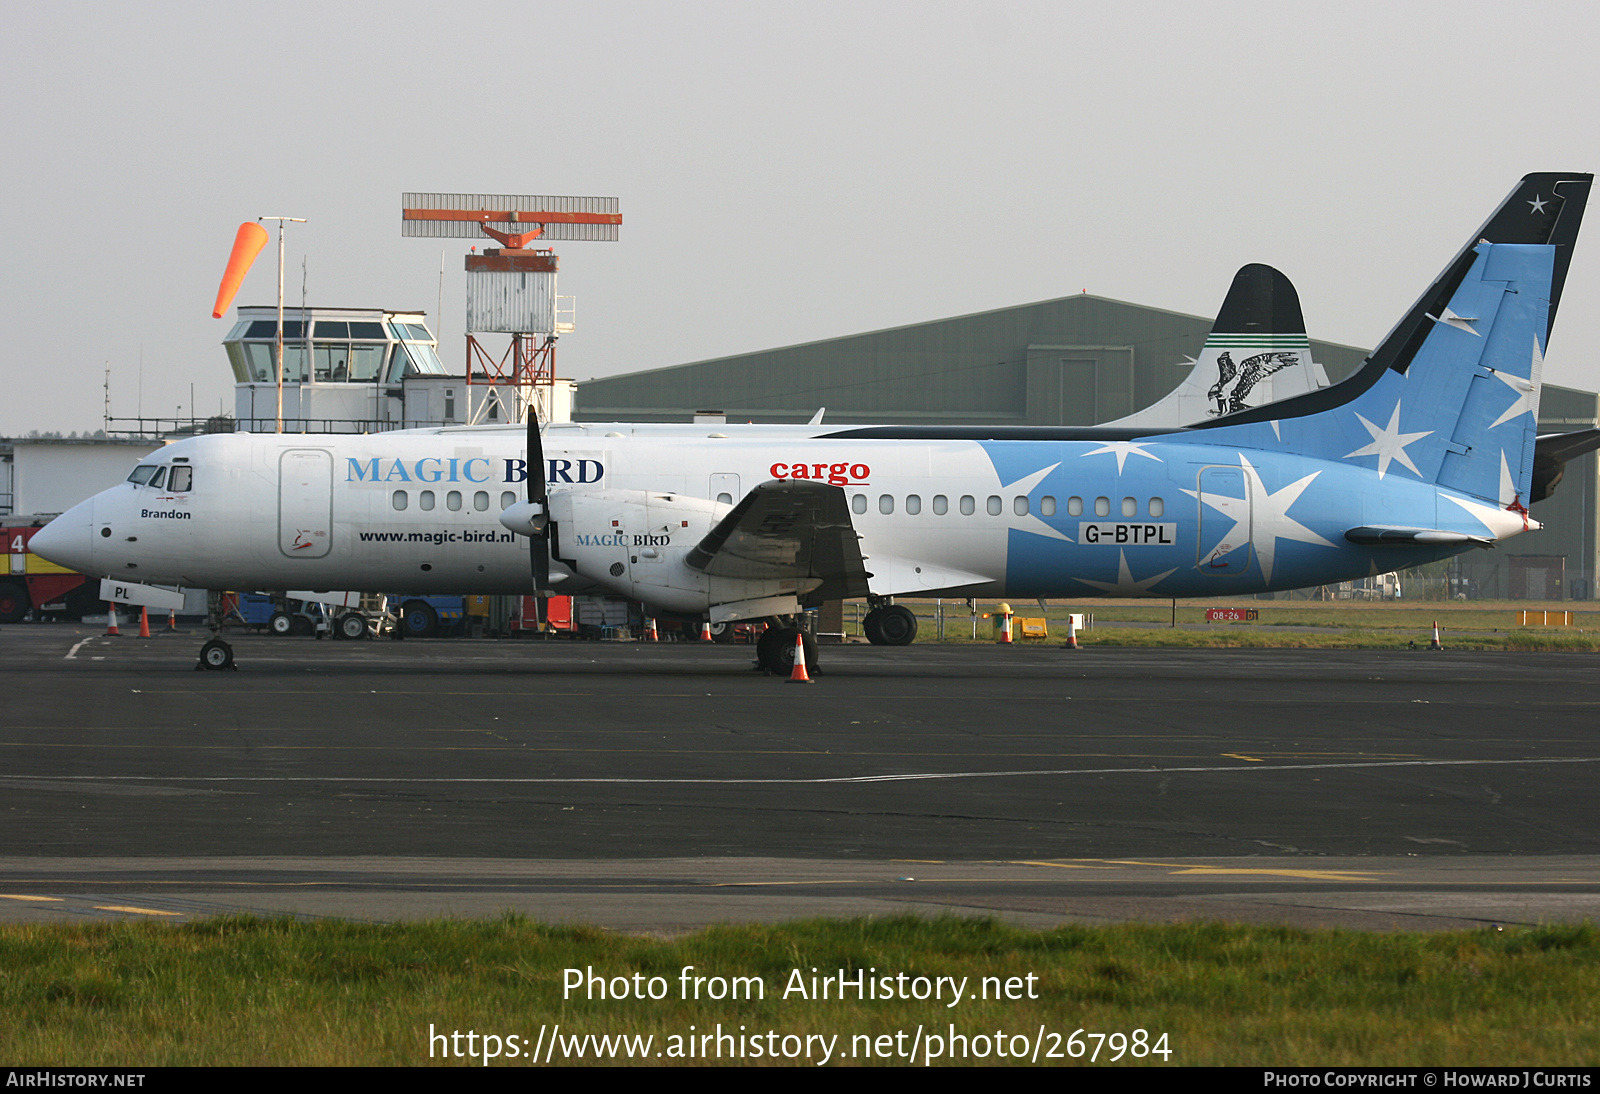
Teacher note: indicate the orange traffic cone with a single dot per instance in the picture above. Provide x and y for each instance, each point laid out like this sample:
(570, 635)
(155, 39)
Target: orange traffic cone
(1005, 625)
(112, 618)
(144, 622)
(705, 631)
(1072, 634)
(798, 676)
(650, 634)
(1434, 645)
(172, 619)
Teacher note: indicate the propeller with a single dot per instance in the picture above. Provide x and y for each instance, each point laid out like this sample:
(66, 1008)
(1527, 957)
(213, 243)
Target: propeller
(539, 503)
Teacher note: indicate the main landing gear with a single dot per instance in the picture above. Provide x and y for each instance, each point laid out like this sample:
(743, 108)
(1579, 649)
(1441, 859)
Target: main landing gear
(888, 623)
(775, 648)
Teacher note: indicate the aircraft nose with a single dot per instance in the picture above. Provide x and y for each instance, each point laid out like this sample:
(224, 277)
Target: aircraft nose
(68, 540)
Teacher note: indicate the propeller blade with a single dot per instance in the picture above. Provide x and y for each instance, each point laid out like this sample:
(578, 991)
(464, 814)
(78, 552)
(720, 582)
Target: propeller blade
(538, 493)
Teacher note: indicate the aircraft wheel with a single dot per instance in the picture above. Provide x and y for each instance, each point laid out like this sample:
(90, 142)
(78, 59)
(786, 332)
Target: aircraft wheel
(872, 626)
(722, 632)
(776, 650)
(897, 625)
(216, 655)
(281, 625)
(351, 626)
(419, 620)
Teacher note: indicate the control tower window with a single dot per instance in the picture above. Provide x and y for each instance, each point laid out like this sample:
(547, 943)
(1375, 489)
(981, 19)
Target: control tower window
(365, 361)
(333, 361)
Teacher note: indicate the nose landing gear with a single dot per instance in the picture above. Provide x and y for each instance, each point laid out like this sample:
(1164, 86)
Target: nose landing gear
(216, 655)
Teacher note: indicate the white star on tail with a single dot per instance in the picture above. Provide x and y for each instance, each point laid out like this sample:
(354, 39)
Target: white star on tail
(1269, 517)
(1389, 443)
(1527, 390)
(1125, 585)
(1123, 449)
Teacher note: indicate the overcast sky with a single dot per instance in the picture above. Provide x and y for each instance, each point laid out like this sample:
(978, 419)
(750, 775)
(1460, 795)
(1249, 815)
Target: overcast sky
(787, 172)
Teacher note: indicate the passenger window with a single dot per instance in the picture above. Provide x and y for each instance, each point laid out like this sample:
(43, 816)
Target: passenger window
(1047, 506)
(1130, 507)
(993, 505)
(1019, 505)
(159, 479)
(859, 503)
(452, 501)
(1074, 507)
(480, 500)
(886, 504)
(507, 500)
(913, 504)
(967, 505)
(941, 505)
(181, 479)
(425, 501)
(399, 500)
(1102, 507)
(1158, 507)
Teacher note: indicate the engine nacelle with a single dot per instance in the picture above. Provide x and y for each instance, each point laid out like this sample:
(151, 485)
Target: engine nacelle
(634, 542)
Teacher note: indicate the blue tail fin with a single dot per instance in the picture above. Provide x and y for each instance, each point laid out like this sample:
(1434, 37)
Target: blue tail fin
(1451, 395)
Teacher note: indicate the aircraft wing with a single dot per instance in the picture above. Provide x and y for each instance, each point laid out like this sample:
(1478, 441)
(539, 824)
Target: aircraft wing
(787, 529)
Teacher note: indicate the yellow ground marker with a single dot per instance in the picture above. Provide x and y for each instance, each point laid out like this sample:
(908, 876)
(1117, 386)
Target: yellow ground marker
(131, 910)
(20, 896)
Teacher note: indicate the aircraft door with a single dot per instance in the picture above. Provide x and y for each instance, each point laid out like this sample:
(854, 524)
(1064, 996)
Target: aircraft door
(1223, 543)
(305, 503)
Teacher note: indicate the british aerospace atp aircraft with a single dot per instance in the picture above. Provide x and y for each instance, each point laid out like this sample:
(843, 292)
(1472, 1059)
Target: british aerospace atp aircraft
(1427, 451)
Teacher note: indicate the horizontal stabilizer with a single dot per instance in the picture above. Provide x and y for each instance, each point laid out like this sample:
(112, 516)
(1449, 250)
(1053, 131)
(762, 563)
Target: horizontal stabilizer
(1382, 536)
(1550, 455)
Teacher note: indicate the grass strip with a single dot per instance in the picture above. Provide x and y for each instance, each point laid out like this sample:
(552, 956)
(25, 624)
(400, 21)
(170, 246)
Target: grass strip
(250, 991)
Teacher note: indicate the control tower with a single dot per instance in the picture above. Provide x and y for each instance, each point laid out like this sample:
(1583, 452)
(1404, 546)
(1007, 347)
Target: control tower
(345, 370)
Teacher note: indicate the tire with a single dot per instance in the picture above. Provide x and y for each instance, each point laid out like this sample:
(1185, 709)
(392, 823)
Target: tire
(281, 625)
(350, 626)
(216, 655)
(870, 626)
(780, 657)
(14, 602)
(303, 626)
(767, 648)
(723, 632)
(419, 620)
(897, 625)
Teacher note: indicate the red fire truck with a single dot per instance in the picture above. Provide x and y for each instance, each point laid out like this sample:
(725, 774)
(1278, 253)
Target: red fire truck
(30, 584)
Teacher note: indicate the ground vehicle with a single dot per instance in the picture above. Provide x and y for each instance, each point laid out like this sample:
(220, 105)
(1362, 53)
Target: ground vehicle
(31, 583)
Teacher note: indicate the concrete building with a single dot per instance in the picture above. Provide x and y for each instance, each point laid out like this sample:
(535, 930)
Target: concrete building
(1078, 360)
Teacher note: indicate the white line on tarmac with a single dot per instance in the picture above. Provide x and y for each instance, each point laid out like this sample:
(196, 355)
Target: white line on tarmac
(915, 776)
(72, 654)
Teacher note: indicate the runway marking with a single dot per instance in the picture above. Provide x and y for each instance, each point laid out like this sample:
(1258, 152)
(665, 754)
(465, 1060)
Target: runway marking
(1241, 756)
(1179, 869)
(39, 899)
(1058, 865)
(919, 776)
(72, 654)
(131, 910)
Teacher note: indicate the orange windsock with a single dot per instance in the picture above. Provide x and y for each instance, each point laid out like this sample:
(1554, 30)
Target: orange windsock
(246, 245)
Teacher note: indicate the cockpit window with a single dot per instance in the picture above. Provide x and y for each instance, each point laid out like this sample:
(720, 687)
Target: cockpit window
(160, 478)
(143, 473)
(182, 478)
